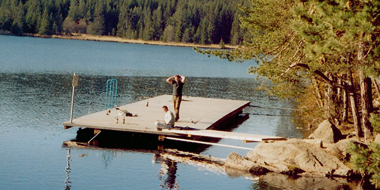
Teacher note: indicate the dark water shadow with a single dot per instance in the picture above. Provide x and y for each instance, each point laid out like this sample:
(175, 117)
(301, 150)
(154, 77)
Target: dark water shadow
(150, 142)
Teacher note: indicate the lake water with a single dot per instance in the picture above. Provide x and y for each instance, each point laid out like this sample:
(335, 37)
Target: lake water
(35, 91)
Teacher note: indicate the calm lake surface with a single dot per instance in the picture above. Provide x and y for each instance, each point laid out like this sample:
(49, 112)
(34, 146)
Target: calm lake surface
(35, 91)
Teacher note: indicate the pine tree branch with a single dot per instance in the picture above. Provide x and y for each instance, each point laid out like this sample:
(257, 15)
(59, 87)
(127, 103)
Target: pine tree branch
(283, 49)
(278, 47)
(316, 72)
(370, 49)
(298, 49)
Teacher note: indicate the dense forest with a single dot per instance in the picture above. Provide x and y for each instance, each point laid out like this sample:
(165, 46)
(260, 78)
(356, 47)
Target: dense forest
(189, 21)
(325, 55)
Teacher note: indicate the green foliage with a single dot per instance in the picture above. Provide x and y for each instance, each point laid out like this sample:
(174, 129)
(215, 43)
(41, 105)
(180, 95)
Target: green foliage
(299, 43)
(375, 121)
(198, 21)
(338, 34)
(270, 42)
(365, 160)
(97, 26)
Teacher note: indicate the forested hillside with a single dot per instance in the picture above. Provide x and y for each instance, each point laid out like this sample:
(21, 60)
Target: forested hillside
(193, 21)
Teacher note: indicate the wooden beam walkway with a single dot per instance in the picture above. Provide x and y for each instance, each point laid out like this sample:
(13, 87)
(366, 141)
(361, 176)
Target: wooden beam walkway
(199, 117)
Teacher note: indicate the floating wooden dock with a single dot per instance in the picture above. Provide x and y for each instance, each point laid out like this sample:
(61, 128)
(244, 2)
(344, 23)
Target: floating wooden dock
(199, 117)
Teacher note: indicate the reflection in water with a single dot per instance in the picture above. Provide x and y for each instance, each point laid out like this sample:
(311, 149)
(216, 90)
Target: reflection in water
(167, 153)
(107, 157)
(168, 172)
(169, 159)
(280, 181)
(68, 170)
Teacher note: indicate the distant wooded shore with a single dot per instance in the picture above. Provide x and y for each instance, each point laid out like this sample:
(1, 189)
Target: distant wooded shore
(123, 40)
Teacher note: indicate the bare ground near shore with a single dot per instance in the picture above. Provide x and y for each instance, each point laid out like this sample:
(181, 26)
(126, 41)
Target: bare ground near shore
(124, 40)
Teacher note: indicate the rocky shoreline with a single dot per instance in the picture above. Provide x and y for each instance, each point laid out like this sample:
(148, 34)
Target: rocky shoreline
(324, 153)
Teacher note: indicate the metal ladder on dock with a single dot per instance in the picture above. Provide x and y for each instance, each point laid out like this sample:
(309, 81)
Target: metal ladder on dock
(111, 94)
(110, 101)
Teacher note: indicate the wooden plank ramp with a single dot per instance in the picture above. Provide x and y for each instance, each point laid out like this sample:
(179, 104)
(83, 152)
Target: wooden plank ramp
(228, 135)
(196, 113)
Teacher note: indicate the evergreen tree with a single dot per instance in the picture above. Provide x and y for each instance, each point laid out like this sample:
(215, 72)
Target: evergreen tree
(178, 18)
(186, 36)
(32, 15)
(340, 38)
(203, 35)
(210, 30)
(147, 25)
(306, 42)
(169, 34)
(157, 23)
(8, 8)
(18, 21)
(97, 26)
(197, 36)
(236, 34)
(45, 25)
(57, 24)
(74, 10)
(122, 24)
(365, 160)
(125, 18)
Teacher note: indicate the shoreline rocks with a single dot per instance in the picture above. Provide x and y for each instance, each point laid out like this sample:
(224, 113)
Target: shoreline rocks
(327, 132)
(292, 157)
(296, 157)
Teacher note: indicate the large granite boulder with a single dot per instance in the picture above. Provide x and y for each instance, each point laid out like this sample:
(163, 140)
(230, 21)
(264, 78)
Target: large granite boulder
(327, 132)
(291, 157)
(235, 161)
(340, 149)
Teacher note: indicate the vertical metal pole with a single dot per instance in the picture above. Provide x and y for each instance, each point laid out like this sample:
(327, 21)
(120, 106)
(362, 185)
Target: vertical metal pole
(74, 84)
(72, 105)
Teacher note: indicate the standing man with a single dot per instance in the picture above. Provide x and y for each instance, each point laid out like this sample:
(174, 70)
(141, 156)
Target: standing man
(177, 81)
(168, 122)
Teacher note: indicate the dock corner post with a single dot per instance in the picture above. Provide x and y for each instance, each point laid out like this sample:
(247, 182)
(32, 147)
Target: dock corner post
(161, 137)
(67, 127)
(74, 84)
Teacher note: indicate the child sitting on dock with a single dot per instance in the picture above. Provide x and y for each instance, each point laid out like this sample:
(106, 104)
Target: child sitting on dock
(168, 122)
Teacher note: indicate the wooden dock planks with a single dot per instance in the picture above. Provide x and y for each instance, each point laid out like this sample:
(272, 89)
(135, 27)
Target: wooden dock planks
(195, 112)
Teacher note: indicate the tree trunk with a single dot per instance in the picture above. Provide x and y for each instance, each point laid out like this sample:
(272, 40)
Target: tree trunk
(332, 102)
(344, 99)
(376, 87)
(354, 106)
(370, 95)
(345, 105)
(365, 104)
(339, 92)
(318, 92)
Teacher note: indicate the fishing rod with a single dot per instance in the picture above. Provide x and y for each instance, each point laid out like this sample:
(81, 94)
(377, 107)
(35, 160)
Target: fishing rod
(253, 106)
(270, 115)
